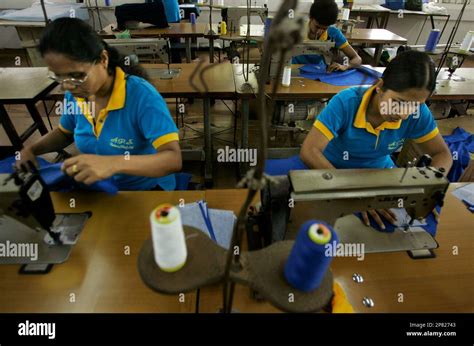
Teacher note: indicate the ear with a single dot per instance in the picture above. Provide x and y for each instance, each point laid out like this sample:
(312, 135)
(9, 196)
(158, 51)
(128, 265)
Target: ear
(104, 59)
(378, 86)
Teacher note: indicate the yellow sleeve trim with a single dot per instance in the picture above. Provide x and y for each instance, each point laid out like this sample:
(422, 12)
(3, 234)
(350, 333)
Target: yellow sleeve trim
(344, 45)
(321, 127)
(170, 137)
(64, 130)
(427, 137)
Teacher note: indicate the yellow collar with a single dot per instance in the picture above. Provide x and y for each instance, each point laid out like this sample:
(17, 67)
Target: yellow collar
(117, 98)
(361, 122)
(324, 36)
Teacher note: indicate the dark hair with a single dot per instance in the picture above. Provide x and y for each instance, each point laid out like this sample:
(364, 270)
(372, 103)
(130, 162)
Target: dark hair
(77, 40)
(410, 69)
(324, 11)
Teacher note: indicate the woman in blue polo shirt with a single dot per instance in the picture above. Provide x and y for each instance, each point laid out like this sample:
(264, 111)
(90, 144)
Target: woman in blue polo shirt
(118, 121)
(322, 17)
(362, 127)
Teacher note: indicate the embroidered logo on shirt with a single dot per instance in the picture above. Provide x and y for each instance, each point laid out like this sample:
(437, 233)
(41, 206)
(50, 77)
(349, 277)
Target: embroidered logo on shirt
(396, 145)
(122, 143)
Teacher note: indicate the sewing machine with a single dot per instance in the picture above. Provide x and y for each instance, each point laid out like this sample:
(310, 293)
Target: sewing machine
(27, 218)
(233, 15)
(335, 195)
(155, 47)
(306, 48)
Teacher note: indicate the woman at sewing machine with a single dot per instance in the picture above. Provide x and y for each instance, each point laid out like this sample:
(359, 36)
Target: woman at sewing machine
(118, 121)
(362, 126)
(322, 17)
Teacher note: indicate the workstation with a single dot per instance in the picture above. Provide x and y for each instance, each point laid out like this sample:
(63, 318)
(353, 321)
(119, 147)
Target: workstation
(271, 180)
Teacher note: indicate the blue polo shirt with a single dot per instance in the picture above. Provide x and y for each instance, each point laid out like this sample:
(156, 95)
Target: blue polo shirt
(354, 143)
(331, 34)
(136, 121)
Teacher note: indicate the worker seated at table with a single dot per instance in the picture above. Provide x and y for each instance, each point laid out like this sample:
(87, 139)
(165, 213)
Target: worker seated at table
(322, 17)
(362, 126)
(118, 121)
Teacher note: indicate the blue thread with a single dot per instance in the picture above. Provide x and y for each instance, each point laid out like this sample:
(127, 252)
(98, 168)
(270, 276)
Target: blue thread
(307, 263)
(207, 220)
(432, 40)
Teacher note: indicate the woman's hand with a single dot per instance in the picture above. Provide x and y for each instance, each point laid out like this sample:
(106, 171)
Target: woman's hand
(26, 154)
(89, 169)
(468, 175)
(337, 67)
(386, 213)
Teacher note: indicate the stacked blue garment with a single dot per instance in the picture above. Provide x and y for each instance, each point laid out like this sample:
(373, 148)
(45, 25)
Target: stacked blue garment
(460, 143)
(357, 76)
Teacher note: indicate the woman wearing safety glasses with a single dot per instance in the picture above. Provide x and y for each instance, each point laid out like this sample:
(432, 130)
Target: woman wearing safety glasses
(118, 121)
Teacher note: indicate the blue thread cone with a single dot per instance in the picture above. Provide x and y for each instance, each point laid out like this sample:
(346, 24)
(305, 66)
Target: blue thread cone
(432, 40)
(193, 18)
(307, 263)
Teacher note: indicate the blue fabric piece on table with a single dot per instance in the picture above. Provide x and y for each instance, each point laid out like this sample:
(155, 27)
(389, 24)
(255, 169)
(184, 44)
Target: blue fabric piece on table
(284, 166)
(57, 180)
(460, 143)
(430, 227)
(359, 76)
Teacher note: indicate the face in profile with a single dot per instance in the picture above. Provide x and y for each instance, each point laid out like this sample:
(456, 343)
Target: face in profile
(399, 105)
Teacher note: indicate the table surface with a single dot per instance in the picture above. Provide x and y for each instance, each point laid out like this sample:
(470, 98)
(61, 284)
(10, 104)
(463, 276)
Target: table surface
(23, 83)
(98, 272)
(39, 24)
(441, 284)
(373, 36)
(219, 79)
(104, 279)
(174, 30)
(369, 8)
(303, 88)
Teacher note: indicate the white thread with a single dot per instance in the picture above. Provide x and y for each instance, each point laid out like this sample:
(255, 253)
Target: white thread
(286, 76)
(169, 244)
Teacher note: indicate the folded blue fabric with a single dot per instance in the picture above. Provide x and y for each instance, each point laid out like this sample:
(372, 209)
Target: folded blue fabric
(460, 143)
(57, 180)
(357, 76)
(430, 227)
(284, 166)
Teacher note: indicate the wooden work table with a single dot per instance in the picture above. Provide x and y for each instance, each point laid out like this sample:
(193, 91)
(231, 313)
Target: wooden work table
(441, 284)
(98, 272)
(105, 279)
(187, 31)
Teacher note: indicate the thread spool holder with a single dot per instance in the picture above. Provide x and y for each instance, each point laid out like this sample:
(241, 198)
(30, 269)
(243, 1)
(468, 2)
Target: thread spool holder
(261, 270)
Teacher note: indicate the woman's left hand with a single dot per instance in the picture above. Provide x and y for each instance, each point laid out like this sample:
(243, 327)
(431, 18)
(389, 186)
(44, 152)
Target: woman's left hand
(337, 67)
(89, 169)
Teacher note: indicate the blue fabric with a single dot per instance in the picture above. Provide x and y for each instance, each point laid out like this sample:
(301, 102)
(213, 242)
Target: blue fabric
(359, 76)
(333, 34)
(172, 11)
(430, 227)
(354, 147)
(57, 180)
(284, 166)
(460, 143)
(182, 181)
(132, 130)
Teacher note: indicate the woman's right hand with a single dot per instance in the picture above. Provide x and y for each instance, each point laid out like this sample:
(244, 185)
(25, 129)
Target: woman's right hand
(376, 215)
(26, 154)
